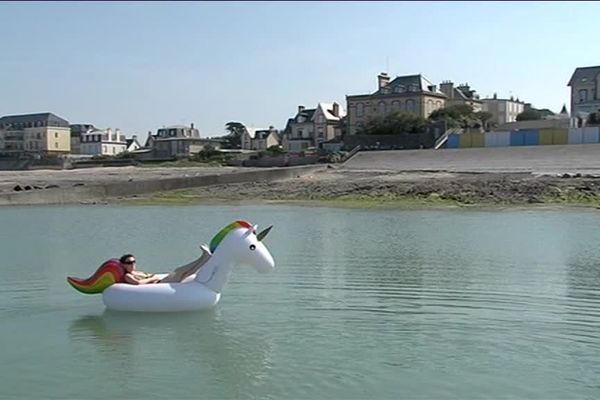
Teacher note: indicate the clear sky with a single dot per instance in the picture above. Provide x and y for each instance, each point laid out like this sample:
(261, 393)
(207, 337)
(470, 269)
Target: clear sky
(140, 66)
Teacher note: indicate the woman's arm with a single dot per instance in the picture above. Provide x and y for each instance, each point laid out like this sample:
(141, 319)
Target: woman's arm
(134, 280)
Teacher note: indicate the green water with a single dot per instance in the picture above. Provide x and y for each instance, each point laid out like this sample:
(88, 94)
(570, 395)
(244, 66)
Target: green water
(363, 304)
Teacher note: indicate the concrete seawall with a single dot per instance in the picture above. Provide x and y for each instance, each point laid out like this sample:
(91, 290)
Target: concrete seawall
(100, 192)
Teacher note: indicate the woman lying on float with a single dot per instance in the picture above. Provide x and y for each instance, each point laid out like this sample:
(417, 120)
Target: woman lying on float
(194, 286)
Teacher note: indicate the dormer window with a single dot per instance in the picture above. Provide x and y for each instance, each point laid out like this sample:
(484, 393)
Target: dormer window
(400, 89)
(301, 119)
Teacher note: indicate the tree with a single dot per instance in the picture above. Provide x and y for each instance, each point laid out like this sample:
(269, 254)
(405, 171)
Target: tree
(456, 116)
(236, 130)
(395, 123)
(544, 112)
(594, 118)
(529, 115)
(484, 118)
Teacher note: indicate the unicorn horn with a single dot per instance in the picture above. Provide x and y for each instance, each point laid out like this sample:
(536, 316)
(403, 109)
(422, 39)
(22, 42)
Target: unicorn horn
(262, 235)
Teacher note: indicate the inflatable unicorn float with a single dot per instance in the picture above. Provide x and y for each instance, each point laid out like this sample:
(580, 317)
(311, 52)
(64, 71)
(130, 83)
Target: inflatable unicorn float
(238, 244)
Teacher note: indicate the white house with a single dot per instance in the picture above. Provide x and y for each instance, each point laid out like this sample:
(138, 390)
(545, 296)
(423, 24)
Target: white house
(313, 127)
(132, 144)
(260, 139)
(104, 142)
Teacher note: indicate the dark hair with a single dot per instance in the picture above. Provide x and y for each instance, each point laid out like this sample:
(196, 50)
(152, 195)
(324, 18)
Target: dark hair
(125, 257)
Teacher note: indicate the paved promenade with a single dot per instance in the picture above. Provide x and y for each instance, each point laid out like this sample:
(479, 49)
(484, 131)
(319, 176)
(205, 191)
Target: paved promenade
(584, 159)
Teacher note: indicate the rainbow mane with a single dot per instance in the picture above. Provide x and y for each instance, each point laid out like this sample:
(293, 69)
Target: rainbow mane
(223, 232)
(109, 273)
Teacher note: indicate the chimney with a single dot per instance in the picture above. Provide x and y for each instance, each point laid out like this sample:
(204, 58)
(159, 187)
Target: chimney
(336, 109)
(117, 135)
(447, 88)
(300, 109)
(109, 134)
(382, 80)
(192, 125)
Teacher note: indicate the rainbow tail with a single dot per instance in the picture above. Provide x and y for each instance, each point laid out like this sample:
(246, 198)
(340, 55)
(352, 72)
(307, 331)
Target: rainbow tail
(109, 273)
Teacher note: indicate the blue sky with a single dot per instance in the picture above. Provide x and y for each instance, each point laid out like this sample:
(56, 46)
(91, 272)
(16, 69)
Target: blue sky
(140, 66)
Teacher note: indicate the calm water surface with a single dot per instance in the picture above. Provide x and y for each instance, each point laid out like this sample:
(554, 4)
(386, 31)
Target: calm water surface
(363, 304)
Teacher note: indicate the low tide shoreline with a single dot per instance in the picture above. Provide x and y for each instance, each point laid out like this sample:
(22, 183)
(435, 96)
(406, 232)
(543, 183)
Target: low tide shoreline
(319, 185)
(384, 189)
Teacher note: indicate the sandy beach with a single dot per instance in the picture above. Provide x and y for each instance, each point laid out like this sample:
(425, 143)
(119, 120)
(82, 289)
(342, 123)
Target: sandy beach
(553, 175)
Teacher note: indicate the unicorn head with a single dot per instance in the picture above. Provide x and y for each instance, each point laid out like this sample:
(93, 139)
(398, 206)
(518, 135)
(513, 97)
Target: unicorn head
(240, 243)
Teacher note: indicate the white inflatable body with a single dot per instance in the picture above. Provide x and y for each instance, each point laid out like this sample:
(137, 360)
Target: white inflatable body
(160, 297)
(237, 244)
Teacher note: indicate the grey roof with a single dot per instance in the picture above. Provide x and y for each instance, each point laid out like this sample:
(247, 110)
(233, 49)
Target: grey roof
(176, 127)
(422, 85)
(49, 118)
(589, 73)
(130, 141)
(288, 126)
(466, 93)
(264, 134)
(307, 113)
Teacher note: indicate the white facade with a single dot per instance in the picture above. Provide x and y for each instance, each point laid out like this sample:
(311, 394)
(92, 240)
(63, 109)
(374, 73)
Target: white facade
(133, 144)
(503, 110)
(103, 142)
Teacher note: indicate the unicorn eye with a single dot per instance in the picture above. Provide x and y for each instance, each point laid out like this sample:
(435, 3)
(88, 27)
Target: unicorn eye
(252, 247)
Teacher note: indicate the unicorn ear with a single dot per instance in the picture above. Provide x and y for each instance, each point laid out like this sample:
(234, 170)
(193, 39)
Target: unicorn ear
(262, 235)
(255, 228)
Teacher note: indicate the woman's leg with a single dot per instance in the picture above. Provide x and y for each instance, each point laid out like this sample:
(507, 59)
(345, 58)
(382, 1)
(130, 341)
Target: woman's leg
(184, 271)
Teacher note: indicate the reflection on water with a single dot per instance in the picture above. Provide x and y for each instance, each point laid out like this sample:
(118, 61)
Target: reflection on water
(363, 304)
(201, 345)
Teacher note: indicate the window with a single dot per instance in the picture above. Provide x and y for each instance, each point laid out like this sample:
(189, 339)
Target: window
(55, 134)
(56, 145)
(410, 105)
(395, 105)
(400, 89)
(583, 95)
(381, 108)
(320, 133)
(429, 106)
(360, 109)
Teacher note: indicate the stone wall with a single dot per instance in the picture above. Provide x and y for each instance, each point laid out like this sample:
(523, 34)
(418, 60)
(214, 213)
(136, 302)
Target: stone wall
(79, 194)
